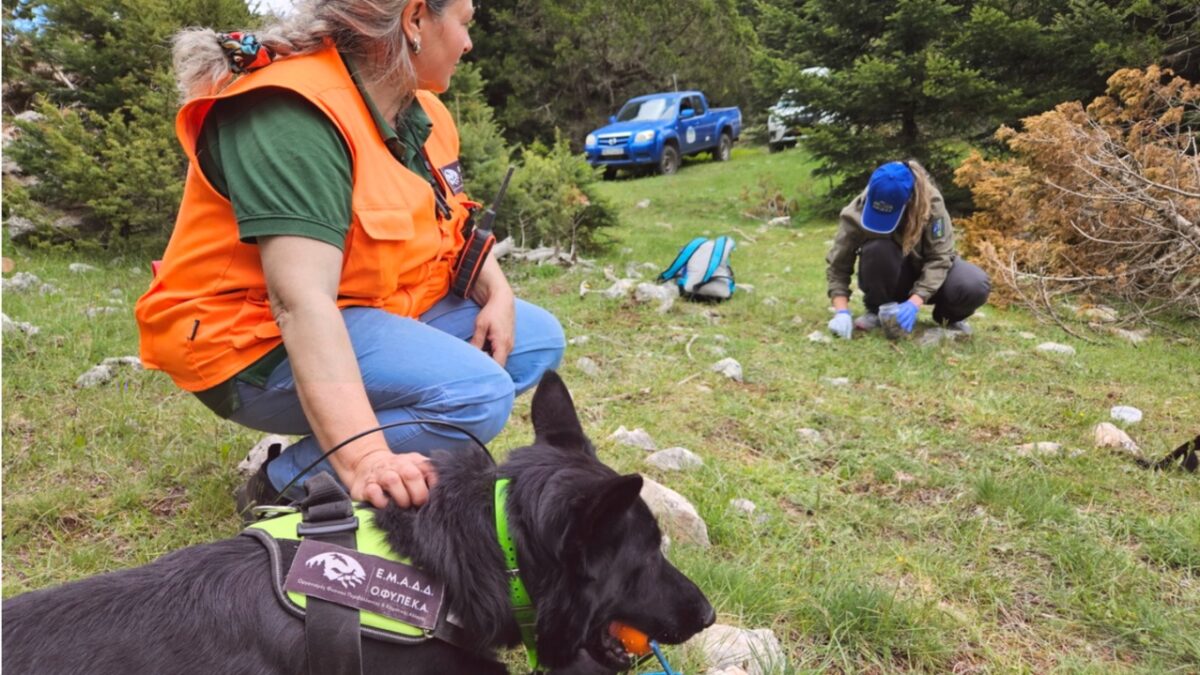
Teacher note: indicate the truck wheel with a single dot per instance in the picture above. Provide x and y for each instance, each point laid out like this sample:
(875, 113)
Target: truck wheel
(775, 147)
(669, 163)
(610, 172)
(724, 148)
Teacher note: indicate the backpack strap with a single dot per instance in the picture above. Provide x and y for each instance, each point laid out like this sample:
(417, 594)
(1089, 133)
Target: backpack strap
(331, 631)
(681, 260)
(718, 256)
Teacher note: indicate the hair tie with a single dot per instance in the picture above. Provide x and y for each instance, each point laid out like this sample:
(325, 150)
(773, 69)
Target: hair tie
(245, 52)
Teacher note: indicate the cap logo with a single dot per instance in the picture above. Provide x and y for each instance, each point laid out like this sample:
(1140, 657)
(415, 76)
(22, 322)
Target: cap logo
(882, 206)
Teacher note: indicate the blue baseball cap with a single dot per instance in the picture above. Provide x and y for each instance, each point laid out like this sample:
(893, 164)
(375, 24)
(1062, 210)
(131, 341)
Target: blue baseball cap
(888, 191)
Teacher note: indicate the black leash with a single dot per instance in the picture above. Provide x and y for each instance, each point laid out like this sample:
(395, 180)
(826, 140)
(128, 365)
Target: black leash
(382, 427)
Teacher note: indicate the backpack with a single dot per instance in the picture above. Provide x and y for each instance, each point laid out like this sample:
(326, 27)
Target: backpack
(701, 269)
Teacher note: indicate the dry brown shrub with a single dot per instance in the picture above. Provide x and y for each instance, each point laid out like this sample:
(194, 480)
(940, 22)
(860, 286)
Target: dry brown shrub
(1102, 202)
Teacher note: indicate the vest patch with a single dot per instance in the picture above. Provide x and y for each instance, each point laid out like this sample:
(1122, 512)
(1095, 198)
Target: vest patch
(355, 579)
(454, 177)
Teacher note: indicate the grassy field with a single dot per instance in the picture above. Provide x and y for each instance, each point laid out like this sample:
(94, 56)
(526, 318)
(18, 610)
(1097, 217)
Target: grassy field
(910, 537)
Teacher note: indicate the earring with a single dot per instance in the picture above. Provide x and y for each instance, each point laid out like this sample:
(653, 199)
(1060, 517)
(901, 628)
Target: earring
(416, 46)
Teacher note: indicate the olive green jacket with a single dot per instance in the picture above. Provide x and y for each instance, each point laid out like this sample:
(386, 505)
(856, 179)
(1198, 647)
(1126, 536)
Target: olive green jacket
(933, 255)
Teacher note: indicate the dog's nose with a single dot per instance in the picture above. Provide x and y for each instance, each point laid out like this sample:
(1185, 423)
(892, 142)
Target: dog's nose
(710, 616)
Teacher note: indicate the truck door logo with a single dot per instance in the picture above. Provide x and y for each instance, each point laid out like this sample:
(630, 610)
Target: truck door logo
(691, 135)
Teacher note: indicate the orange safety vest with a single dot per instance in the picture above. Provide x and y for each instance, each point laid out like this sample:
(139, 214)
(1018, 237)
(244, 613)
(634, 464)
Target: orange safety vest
(207, 317)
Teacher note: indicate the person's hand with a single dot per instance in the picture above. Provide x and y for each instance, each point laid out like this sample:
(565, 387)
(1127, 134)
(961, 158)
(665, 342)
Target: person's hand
(841, 324)
(906, 315)
(496, 325)
(382, 475)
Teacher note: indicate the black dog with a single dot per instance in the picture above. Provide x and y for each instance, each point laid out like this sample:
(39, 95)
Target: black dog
(589, 554)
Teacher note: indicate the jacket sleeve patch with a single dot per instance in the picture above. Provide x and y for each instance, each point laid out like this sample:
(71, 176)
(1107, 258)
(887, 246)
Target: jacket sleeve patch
(938, 228)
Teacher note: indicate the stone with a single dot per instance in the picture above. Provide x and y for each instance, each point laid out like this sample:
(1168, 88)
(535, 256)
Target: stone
(21, 282)
(1026, 335)
(68, 222)
(93, 312)
(643, 204)
(781, 221)
(30, 116)
(730, 368)
(19, 227)
(744, 505)
(937, 335)
(1136, 337)
(579, 340)
(836, 381)
(1125, 413)
(96, 376)
(81, 268)
(809, 435)
(675, 459)
(731, 670)
(770, 301)
(258, 454)
(676, 515)
(663, 294)
(1038, 448)
(638, 438)
(1056, 348)
(587, 366)
(1100, 313)
(755, 652)
(819, 336)
(1108, 435)
(25, 327)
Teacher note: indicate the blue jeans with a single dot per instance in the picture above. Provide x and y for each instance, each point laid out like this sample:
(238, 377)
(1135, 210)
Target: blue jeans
(414, 370)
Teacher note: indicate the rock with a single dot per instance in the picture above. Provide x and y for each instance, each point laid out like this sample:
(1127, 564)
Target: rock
(81, 268)
(1026, 335)
(19, 227)
(819, 336)
(93, 312)
(770, 301)
(106, 370)
(579, 340)
(30, 116)
(676, 515)
(48, 289)
(731, 670)
(744, 505)
(755, 652)
(643, 204)
(836, 381)
(21, 282)
(1137, 337)
(1108, 435)
(663, 294)
(68, 222)
(587, 366)
(935, 336)
(1039, 448)
(809, 435)
(781, 221)
(638, 438)
(715, 350)
(1099, 313)
(25, 327)
(1125, 413)
(258, 454)
(1056, 348)
(729, 368)
(96, 376)
(619, 289)
(675, 459)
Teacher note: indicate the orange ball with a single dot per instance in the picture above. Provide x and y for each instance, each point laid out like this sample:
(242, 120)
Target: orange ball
(635, 641)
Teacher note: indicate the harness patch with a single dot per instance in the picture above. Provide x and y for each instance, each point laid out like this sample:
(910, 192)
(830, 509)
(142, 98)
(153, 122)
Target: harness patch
(355, 579)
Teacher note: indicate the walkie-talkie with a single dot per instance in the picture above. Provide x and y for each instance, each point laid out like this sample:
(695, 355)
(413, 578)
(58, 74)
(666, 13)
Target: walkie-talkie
(477, 247)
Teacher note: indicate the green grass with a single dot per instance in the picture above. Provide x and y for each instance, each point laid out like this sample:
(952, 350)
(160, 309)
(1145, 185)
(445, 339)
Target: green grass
(910, 537)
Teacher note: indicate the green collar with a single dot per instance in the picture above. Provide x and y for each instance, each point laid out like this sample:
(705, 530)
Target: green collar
(411, 130)
(523, 607)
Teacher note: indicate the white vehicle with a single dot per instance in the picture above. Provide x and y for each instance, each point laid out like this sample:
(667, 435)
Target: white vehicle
(787, 119)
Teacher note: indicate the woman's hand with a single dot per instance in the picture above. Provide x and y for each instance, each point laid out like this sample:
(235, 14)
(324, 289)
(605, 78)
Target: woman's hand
(381, 475)
(495, 327)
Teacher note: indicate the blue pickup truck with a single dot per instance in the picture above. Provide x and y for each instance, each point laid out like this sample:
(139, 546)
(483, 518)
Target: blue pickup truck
(658, 130)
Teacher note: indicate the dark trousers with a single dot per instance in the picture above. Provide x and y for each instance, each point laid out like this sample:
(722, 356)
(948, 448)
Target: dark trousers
(885, 274)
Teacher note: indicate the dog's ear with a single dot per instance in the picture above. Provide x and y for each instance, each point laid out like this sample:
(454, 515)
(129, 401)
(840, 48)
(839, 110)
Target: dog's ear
(612, 500)
(554, 419)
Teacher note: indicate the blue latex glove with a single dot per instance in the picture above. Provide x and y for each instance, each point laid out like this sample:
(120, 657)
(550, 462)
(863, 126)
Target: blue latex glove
(906, 315)
(841, 324)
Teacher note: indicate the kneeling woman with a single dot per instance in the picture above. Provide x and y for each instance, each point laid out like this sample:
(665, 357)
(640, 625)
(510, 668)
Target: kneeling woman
(305, 287)
(900, 234)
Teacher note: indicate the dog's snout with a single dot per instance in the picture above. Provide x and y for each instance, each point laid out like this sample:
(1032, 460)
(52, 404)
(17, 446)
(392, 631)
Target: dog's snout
(708, 615)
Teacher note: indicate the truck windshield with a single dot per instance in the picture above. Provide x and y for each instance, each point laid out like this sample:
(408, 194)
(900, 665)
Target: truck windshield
(648, 109)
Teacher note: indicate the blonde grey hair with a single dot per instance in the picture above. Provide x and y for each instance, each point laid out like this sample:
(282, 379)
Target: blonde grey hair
(916, 214)
(368, 30)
